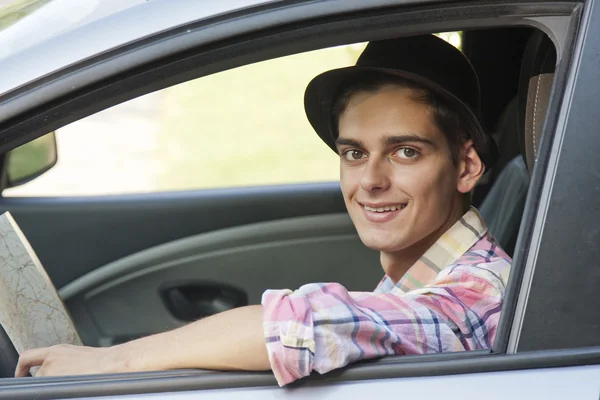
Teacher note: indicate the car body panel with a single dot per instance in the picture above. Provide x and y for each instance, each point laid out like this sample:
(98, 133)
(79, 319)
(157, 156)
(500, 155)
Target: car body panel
(548, 384)
(55, 17)
(64, 49)
(152, 17)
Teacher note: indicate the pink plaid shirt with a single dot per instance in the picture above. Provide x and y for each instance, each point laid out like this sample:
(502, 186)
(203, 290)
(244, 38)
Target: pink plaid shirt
(449, 300)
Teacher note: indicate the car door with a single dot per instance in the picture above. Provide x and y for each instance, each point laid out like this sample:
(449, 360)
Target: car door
(190, 200)
(553, 233)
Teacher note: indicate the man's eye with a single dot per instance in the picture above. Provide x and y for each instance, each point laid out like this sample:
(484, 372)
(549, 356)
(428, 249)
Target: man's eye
(353, 155)
(407, 153)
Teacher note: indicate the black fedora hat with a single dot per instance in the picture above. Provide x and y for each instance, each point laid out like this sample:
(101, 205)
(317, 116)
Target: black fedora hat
(425, 59)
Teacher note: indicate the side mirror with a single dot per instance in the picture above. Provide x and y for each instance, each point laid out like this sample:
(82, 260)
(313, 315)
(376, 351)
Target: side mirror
(31, 160)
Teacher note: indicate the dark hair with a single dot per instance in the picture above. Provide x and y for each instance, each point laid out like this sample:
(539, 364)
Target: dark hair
(449, 118)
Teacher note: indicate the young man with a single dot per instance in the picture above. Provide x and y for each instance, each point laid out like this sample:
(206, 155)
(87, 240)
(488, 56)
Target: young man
(403, 121)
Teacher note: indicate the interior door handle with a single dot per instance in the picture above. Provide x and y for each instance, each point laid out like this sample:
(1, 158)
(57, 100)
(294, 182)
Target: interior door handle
(190, 301)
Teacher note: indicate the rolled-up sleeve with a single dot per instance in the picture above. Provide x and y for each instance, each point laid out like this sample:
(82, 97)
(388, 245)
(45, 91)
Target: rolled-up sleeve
(321, 327)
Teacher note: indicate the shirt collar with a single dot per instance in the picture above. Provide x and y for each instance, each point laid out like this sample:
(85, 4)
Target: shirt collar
(451, 246)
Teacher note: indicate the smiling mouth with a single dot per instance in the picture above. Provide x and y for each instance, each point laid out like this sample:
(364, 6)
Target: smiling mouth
(384, 209)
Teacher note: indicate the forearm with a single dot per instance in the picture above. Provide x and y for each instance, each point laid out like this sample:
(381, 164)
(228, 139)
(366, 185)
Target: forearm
(231, 340)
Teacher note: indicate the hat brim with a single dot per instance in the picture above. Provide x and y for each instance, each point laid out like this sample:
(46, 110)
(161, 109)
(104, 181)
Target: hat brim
(320, 95)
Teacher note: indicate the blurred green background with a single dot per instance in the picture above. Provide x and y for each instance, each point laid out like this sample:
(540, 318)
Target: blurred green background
(247, 126)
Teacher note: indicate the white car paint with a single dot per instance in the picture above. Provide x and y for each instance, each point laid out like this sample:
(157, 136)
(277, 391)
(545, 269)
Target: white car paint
(581, 383)
(128, 25)
(54, 18)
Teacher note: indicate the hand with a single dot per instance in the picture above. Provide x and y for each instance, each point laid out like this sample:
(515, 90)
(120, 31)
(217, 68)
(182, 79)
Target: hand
(67, 359)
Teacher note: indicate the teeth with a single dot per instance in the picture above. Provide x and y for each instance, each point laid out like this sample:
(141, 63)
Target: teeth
(386, 208)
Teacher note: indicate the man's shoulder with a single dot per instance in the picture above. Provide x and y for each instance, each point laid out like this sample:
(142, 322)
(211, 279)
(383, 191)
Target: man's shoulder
(485, 260)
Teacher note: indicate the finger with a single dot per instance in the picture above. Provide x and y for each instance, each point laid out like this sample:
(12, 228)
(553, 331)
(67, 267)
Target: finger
(30, 358)
(40, 372)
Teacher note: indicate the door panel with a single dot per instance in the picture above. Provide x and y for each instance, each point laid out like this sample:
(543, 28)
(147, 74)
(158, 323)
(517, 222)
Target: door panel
(133, 296)
(75, 236)
(113, 258)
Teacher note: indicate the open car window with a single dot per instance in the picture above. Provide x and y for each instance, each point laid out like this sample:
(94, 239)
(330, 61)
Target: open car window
(237, 128)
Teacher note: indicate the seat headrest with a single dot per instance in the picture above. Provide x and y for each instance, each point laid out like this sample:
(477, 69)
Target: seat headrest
(535, 85)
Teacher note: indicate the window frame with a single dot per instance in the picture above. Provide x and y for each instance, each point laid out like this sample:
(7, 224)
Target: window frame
(255, 45)
(563, 252)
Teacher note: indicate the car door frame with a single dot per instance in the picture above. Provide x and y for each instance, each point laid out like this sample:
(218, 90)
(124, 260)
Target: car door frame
(529, 250)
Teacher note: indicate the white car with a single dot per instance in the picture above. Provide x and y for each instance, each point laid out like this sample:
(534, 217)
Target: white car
(86, 88)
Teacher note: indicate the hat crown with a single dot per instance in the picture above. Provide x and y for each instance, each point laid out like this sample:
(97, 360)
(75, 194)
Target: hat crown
(429, 57)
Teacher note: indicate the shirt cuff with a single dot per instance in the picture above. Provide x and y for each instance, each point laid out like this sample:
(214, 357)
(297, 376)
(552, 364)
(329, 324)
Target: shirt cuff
(289, 334)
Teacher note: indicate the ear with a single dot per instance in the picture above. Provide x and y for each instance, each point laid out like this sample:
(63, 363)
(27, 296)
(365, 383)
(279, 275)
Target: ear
(470, 168)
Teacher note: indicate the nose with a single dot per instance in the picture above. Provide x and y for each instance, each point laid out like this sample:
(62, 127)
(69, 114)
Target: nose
(376, 176)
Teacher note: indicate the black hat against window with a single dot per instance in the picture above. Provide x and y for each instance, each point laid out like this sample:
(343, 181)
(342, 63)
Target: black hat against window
(426, 59)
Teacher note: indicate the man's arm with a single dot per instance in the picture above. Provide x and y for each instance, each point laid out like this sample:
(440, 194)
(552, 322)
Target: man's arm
(323, 327)
(232, 340)
(319, 327)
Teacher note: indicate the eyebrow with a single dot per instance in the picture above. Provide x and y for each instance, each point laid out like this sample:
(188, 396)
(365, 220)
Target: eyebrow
(348, 142)
(387, 141)
(400, 139)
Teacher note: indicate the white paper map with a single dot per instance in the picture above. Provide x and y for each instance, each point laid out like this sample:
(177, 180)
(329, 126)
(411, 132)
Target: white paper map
(31, 312)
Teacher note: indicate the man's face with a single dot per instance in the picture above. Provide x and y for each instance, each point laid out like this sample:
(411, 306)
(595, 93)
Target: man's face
(396, 171)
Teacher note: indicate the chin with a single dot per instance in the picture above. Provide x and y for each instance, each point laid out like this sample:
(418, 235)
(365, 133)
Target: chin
(381, 242)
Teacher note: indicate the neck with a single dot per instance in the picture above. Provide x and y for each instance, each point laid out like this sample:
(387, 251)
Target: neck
(396, 264)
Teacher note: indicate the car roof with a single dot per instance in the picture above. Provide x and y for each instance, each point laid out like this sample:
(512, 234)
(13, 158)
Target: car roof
(26, 23)
(104, 27)
(114, 25)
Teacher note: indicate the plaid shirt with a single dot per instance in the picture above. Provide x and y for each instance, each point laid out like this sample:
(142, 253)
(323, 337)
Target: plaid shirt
(449, 300)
